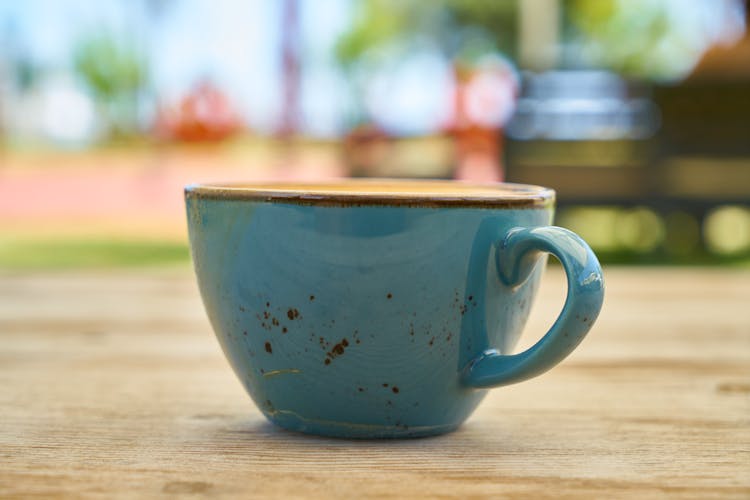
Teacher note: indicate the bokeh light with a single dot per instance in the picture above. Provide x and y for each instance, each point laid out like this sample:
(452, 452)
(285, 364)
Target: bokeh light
(727, 230)
(639, 229)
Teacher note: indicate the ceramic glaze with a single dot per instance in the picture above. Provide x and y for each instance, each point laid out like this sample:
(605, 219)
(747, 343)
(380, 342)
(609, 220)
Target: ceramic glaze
(381, 320)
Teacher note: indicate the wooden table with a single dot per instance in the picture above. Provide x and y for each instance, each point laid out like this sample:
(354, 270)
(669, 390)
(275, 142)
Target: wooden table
(111, 384)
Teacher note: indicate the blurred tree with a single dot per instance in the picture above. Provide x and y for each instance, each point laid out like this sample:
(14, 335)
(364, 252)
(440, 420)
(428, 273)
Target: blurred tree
(636, 38)
(602, 32)
(377, 22)
(490, 20)
(115, 74)
(17, 72)
(462, 30)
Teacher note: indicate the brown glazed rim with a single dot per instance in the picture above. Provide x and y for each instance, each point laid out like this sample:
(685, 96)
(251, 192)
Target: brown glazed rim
(388, 192)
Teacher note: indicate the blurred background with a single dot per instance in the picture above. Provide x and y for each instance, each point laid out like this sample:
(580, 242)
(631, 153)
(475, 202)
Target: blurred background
(637, 112)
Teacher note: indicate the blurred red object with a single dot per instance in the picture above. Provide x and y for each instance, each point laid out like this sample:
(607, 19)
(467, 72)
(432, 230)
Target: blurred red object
(484, 100)
(204, 115)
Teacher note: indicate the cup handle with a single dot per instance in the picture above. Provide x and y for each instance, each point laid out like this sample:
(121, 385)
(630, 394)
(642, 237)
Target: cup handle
(516, 256)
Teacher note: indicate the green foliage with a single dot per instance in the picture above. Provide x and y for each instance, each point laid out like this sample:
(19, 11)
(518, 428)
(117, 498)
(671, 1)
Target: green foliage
(461, 28)
(497, 19)
(637, 38)
(377, 22)
(115, 74)
(108, 68)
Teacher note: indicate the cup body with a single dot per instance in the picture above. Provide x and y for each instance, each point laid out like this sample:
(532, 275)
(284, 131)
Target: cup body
(355, 320)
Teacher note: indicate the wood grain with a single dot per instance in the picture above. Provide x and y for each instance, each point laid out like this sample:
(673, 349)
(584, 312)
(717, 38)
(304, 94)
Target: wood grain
(112, 385)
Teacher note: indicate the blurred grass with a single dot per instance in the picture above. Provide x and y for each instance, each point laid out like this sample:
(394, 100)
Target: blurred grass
(62, 253)
(90, 253)
(657, 258)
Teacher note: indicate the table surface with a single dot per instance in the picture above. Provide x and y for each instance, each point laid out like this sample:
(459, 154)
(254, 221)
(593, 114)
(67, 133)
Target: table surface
(111, 384)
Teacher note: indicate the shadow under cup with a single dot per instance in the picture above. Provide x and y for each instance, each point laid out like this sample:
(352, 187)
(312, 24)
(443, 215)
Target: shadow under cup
(382, 308)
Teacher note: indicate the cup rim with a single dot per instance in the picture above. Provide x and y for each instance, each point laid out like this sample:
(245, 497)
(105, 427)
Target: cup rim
(379, 191)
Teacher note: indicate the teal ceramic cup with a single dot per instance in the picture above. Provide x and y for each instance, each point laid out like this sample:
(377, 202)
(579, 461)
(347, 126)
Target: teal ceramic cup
(381, 308)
